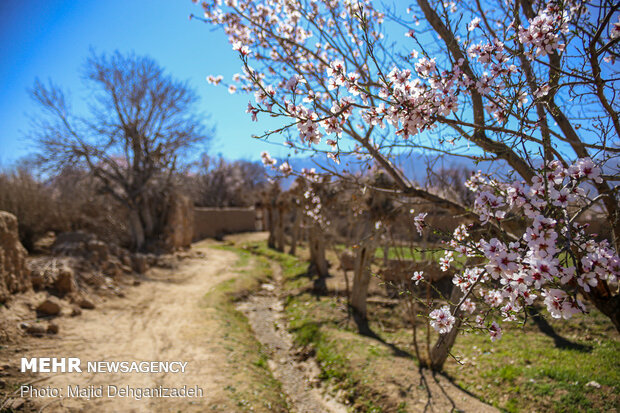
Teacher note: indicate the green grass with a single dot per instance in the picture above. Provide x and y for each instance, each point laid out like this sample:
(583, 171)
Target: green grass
(525, 371)
(252, 387)
(522, 372)
(405, 253)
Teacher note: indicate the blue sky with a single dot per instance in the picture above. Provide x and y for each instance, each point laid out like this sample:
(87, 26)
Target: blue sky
(50, 39)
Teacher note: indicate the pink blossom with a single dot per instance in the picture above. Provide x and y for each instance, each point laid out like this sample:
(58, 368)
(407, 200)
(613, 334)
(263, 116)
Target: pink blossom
(267, 159)
(285, 168)
(417, 277)
(442, 320)
(495, 331)
(419, 222)
(473, 24)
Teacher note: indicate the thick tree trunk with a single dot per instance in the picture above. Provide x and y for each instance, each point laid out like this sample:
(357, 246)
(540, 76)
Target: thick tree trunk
(441, 349)
(361, 280)
(606, 302)
(148, 223)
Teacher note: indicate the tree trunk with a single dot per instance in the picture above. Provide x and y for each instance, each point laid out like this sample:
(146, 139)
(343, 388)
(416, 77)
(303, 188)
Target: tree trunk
(295, 232)
(361, 280)
(279, 229)
(317, 252)
(148, 224)
(271, 241)
(386, 254)
(441, 349)
(607, 303)
(137, 231)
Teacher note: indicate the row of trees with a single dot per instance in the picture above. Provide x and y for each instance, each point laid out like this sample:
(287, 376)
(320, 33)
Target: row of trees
(527, 85)
(72, 199)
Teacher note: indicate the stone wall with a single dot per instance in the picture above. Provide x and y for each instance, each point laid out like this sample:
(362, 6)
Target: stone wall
(14, 275)
(215, 222)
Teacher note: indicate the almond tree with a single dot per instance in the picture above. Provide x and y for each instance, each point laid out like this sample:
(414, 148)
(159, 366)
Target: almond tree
(526, 84)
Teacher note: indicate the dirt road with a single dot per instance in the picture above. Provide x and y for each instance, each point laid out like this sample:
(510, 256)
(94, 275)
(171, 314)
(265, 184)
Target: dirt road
(160, 320)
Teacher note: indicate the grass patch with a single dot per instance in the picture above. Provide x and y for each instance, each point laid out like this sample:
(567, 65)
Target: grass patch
(251, 386)
(522, 372)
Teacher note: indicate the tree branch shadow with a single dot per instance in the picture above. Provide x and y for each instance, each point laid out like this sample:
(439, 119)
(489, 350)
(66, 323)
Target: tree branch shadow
(548, 330)
(363, 328)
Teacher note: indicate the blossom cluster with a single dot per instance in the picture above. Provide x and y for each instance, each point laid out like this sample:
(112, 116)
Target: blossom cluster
(554, 259)
(543, 32)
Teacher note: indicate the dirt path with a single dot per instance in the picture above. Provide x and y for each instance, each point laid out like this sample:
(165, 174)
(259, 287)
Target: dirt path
(299, 378)
(161, 320)
(165, 319)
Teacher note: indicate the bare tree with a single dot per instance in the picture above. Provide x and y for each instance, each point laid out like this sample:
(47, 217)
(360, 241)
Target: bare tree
(139, 123)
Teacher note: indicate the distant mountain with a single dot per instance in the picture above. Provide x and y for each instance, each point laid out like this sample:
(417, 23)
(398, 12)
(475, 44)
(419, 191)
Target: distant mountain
(415, 166)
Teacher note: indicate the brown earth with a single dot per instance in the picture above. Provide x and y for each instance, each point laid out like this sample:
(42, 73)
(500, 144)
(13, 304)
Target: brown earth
(160, 319)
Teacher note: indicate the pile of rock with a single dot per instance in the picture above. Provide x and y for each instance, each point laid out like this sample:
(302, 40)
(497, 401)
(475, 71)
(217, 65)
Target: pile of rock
(111, 259)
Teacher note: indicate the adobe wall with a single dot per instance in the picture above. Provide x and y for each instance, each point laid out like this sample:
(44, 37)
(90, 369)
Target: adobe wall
(213, 222)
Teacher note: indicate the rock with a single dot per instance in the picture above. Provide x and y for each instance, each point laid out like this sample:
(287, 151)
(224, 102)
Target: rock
(151, 259)
(71, 243)
(86, 303)
(126, 258)
(36, 330)
(179, 227)
(14, 274)
(65, 281)
(593, 384)
(268, 287)
(94, 279)
(112, 267)
(140, 263)
(52, 328)
(51, 306)
(166, 261)
(99, 251)
(43, 244)
(75, 311)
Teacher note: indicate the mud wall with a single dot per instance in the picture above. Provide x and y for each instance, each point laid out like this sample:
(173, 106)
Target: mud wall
(215, 222)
